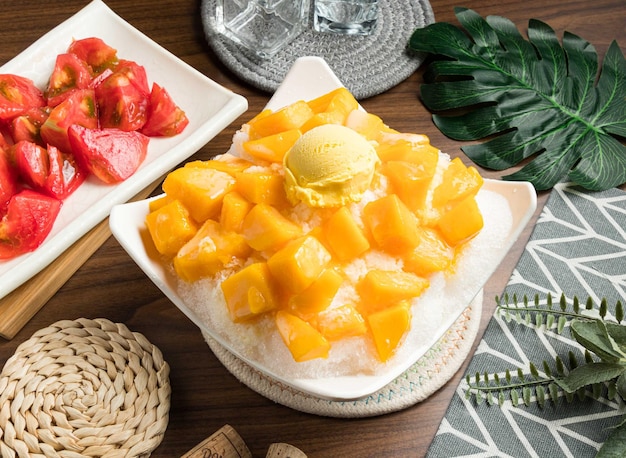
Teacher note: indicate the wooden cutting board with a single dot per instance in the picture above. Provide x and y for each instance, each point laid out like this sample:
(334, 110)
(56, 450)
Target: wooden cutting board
(19, 306)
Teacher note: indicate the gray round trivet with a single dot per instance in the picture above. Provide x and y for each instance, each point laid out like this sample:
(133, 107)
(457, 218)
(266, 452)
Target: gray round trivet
(421, 380)
(366, 65)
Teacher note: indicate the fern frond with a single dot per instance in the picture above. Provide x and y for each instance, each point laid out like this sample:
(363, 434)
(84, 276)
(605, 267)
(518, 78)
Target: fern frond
(520, 387)
(554, 318)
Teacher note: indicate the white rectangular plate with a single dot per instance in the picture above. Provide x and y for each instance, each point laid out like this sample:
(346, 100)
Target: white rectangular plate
(209, 107)
(309, 78)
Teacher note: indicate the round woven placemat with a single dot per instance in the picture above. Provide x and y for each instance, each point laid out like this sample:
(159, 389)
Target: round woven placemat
(421, 380)
(366, 65)
(84, 388)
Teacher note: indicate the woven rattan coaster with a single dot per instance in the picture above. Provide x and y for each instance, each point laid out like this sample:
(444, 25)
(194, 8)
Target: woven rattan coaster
(422, 379)
(84, 388)
(366, 65)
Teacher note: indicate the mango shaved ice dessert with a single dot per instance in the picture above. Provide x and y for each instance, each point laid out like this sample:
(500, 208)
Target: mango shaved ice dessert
(325, 243)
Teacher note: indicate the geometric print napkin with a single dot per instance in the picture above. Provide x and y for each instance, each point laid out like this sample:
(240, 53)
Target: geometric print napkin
(577, 248)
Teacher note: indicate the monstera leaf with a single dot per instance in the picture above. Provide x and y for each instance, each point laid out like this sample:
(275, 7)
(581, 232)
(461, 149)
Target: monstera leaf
(534, 98)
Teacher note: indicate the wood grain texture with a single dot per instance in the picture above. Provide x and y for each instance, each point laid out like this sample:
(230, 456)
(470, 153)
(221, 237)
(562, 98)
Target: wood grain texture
(19, 306)
(205, 396)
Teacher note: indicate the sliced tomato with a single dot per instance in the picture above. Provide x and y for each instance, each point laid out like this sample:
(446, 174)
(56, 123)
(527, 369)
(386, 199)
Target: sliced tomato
(48, 170)
(123, 98)
(28, 125)
(98, 55)
(27, 222)
(135, 73)
(112, 155)
(79, 108)
(64, 174)
(18, 95)
(165, 118)
(32, 163)
(6, 139)
(101, 77)
(8, 180)
(69, 73)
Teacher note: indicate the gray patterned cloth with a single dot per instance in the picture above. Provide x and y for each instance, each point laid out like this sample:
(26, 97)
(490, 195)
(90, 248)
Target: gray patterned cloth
(366, 65)
(578, 247)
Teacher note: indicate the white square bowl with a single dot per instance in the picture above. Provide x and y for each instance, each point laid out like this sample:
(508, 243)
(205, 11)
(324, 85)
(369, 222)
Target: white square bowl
(311, 77)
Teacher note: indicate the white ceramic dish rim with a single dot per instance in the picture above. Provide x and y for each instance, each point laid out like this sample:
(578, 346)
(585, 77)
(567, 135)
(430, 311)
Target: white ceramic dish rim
(209, 106)
(309, 77)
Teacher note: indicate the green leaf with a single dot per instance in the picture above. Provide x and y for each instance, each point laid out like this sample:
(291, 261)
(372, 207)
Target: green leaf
(589, 374)
(514, 397)
(618, 334)
(554, 392)
(611, 390)
(541, 396)
(526, 395)
(620, 385)
(596, 390)
(615, 444)
(593, 335)
(534, 98)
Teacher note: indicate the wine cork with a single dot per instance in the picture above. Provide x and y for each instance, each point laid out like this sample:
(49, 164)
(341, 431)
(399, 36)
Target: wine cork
(224, 443)
(282, 450)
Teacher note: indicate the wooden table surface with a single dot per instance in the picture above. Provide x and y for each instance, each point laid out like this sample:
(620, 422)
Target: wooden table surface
(205, 396)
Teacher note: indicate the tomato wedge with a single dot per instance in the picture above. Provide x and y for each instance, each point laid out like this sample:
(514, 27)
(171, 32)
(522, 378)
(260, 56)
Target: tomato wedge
(28, 125)
(48, 170)
(79, 108)
(98, 55)
(69, 73)
(8, 181)
(112, 155)
(31, 162)
(123, 98)
(165, 118)
(18, 95)
(27, 222)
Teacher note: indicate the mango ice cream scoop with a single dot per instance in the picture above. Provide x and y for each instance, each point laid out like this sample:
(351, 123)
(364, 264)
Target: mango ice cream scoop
(329, 166)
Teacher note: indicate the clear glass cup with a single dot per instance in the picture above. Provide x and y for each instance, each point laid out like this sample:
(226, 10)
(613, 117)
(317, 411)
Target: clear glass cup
(262, 26)
(348, 17)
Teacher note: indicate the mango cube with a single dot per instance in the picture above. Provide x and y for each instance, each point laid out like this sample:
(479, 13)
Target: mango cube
(299, 263)
(410, 180)
(159, 202)
(273, 147)
(381, 288)
(263, 113)
(458, 183)
(262, 187)
(339, 100)
(408, 149)
(209, 251)
(170, 227)
(320, 119)
(266, 229)
(250, 292)
(292, 116)
(234, 209)
(432, 253)
(224, 163)
(392, 225)
(462, 222)
(367, 124)
(318, 296)
(341, 322)
(344, 236)
(303, 340)
(388, 327)
(200, 189)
